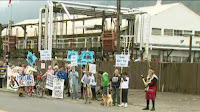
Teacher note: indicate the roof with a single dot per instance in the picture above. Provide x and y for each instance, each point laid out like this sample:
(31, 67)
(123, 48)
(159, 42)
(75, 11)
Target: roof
(158, 8)
(28, 21)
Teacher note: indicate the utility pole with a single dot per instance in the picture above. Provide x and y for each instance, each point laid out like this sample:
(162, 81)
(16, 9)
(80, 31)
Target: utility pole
(190, 50)
(1, 42)
(118, 24)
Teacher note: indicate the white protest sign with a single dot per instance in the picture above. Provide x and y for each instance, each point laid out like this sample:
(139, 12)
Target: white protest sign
(25, 80)
(45, 55)
(49, 81)
(92, 68)
(10, 73)
(74, 60)
(58, 88)
(122, 60)
(42, 65)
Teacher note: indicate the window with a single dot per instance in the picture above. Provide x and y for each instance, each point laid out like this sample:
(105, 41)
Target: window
(168, 32)
(187, 32)
(156, 31)
(197, 33)
(178, 32)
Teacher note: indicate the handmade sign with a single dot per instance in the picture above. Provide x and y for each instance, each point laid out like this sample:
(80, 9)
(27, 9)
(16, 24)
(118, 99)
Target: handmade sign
(70, 53)
(80, 61)
(45, 55)
(122, 60)
(31, 58)
(25, 80)
(58, 88)
(92, 68)
(49, 81)
(87, 56)
(3, 71)
(74, 60)
(11, 73)
(42, 65)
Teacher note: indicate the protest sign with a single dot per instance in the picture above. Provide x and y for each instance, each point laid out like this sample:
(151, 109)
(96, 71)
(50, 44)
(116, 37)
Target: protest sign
(49, 81)
(74, 60)
(92, 68)
(25, 80)
(70, 53)
(45, 55)
(58, 88)
(42, 65)
(87, 56)
(11, 73)
(31, 58)
(80, 61)
(122, 60)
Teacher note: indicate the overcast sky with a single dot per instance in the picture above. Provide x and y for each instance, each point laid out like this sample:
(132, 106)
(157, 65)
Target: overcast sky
(24, 9)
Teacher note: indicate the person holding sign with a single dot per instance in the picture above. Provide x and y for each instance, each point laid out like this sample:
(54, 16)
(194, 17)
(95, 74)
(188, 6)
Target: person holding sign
(115, 85)
(151, 83)
(74, 76)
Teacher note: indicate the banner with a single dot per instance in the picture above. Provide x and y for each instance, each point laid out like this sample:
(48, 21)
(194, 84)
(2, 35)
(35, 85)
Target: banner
(25, 80)
(45, 55)
(92, 68)
(122, 60)
(80, 61)
(58, 88)
(31, 58)
(70, 53)
(49, 81)
(74, 60)
(10, 73)
(88, 56)
(3, 71)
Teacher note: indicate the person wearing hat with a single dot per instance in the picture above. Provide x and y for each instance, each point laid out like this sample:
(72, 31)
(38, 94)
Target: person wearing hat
(151, 83)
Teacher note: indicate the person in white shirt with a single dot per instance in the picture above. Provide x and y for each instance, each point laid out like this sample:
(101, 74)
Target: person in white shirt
(93, 86)
(124, 86)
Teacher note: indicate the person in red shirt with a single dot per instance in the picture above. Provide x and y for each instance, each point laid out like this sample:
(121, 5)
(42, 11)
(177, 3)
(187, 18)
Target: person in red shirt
(151, 84)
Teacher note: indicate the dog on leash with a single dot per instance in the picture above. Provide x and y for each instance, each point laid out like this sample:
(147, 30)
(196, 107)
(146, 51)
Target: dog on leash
(107, 100)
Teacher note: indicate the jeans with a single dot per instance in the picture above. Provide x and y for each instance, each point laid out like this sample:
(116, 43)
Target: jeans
(75, 92)
(124, 95)
(105, 90)
(116, 95)
(93, 92)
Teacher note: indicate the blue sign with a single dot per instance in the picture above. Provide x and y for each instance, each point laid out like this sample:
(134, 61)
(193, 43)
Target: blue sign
(69, 53)
(88, 56)
(31, 58)
(80, 61)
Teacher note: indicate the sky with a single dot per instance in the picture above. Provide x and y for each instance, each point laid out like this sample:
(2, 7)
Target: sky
(28, 9)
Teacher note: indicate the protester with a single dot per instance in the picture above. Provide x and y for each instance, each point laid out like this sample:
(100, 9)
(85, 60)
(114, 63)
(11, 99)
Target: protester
(83, 72)
(21, 89)
(61, 73)
(151, 92)
(124, 86)
(74, 76)
(55, 68)
(86, 79)
(67, 70)
(115, 85)
(50, 71)
(2, 73)
(93, 84)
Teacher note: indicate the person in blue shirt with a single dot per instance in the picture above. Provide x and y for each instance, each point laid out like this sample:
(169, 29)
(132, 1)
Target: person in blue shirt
(61, 73)
(73, 75)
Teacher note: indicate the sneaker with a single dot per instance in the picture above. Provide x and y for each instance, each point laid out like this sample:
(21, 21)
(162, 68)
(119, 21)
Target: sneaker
(125, 105)
(121, 105)
(146, 108)
(153, 109)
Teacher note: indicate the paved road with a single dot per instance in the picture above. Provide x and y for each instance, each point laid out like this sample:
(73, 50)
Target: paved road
(10, 102)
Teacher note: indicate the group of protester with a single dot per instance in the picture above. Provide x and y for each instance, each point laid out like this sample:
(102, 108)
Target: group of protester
(117, 85)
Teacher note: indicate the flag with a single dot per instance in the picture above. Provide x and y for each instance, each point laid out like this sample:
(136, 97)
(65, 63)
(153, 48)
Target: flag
(9, 2)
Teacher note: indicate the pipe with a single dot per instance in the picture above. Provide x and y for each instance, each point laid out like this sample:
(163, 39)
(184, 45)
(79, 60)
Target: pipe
(40, 29)
(46, 29)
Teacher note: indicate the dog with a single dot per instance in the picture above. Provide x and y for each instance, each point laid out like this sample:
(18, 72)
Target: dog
(107, 100)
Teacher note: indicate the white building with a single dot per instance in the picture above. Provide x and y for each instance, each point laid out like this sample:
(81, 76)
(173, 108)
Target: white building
(163, 29)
